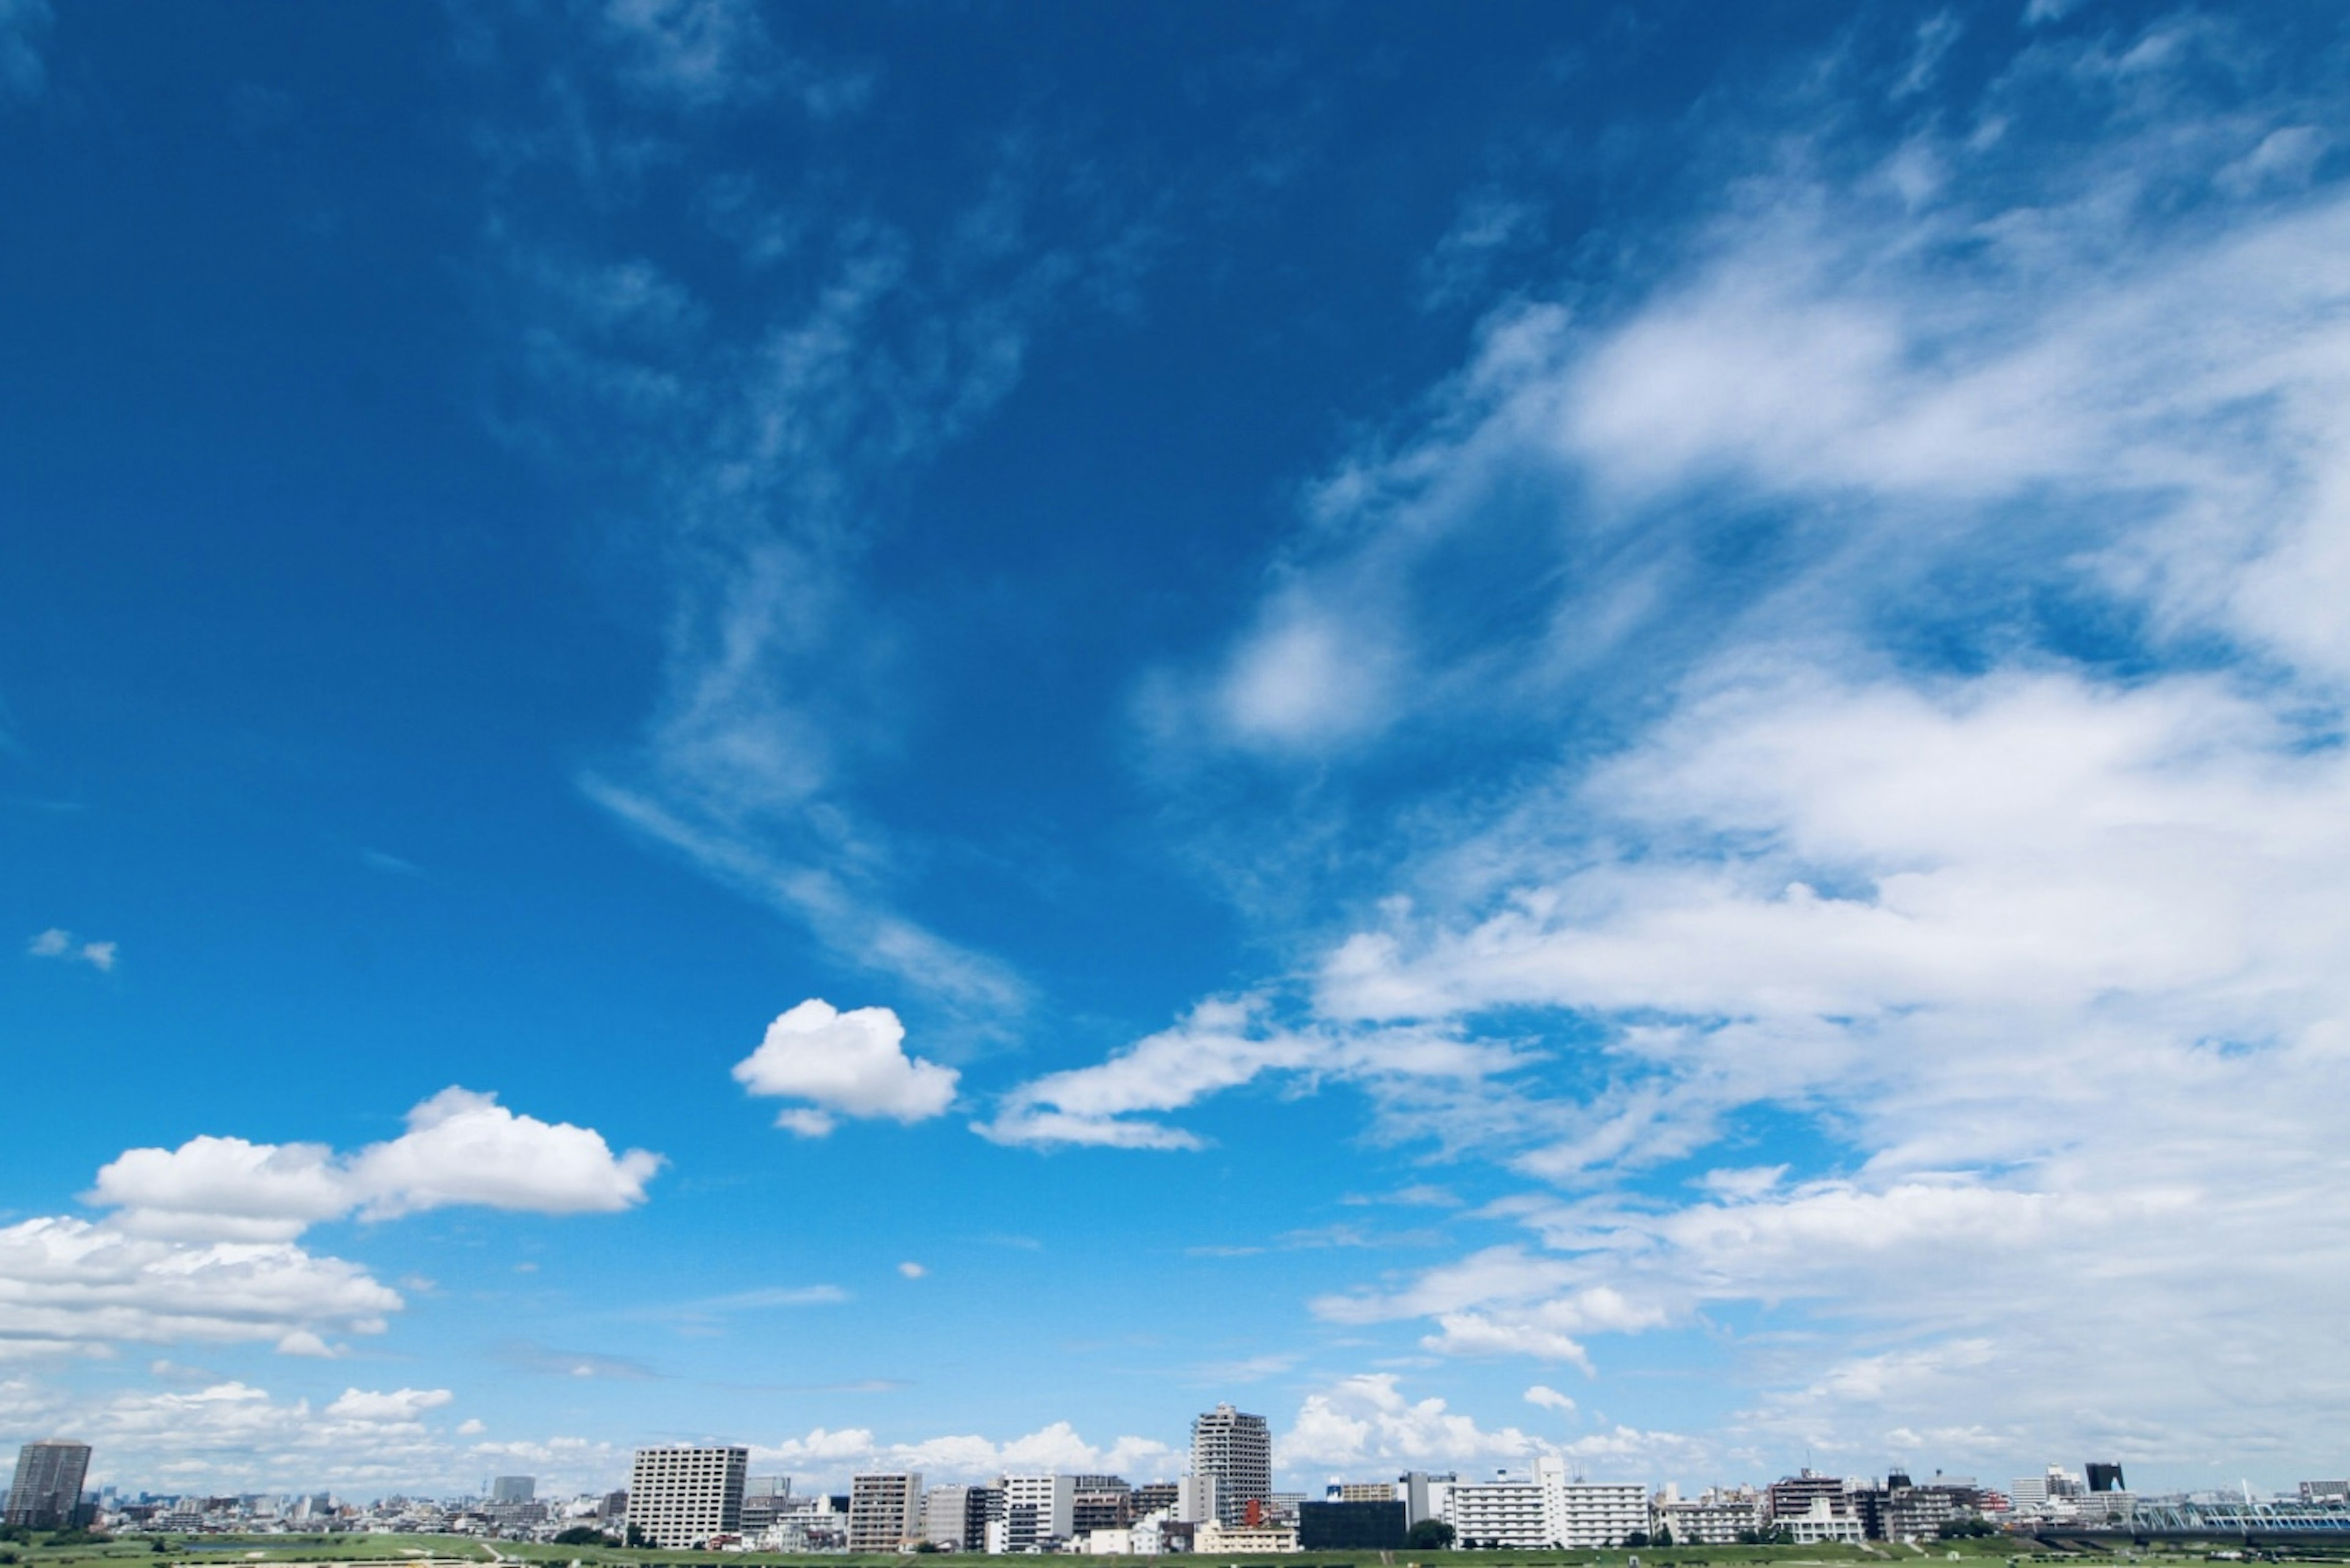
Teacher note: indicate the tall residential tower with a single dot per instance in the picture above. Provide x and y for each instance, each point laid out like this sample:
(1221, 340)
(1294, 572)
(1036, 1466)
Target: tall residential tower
(1236, 1450)
(48, 1487)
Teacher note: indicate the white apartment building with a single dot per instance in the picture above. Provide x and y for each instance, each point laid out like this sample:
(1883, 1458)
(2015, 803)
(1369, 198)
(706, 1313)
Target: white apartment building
(681, 1497)
(1822, 1523)
(1195, 1498)
(1236, 1450)
(1545, 1510)
(885, 1511)
(1713, 1518)
(1038, 1508)
(1599, 1513)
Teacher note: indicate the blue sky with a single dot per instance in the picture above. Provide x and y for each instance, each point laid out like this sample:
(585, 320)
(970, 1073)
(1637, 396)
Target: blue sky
(925, 734)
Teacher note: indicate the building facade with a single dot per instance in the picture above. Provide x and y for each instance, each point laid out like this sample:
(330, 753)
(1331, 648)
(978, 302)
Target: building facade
(1236, 1450)
(1242, 1538)
(681, 1497)
(46, 1493)
(513, 1488)
(1100, 1503)
(1038, 1509)
(885, 1511)
(1717, 1516)
(1340, 1525)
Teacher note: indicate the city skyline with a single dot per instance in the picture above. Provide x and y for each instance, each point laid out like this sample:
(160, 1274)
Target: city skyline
(920, 738)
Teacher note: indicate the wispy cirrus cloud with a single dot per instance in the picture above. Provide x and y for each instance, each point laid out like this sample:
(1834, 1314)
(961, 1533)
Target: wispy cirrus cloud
(760, 427)
(1906, 632)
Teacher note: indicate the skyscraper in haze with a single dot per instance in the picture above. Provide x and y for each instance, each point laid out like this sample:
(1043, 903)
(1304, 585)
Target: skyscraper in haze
(1236, 1450)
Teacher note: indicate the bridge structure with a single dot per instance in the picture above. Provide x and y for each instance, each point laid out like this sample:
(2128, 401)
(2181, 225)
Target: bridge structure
(2294, 1523)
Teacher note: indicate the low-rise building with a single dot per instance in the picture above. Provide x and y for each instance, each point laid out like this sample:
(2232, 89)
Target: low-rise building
(1211, 1537)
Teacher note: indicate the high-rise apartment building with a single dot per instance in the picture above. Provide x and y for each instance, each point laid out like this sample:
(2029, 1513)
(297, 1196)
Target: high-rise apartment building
(46, 1491)
(1038, 1508)
(885, 1511)
(1236, 1450)
(513, 1488)
(681, 1497)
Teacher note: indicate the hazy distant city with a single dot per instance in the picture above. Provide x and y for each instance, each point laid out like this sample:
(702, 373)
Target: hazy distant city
(704, 1497)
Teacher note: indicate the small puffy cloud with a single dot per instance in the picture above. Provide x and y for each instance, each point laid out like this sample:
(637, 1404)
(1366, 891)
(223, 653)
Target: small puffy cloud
(460, 1147)
(464, 1147)
(1550, 1398)
(848, 1064)
(59, 943)
(912, 1270)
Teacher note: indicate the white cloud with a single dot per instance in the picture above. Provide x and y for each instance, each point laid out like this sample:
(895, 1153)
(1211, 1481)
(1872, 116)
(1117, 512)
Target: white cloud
(460, 1147)
(848, 1064)
(464, 1147)
(220, 1435)
(913, 1269)
(68, 1284)
(830, 1455)
(1550, 1398)
(1223, 1043)
(2043, 943)
(201, 1247)
(377, 1408)
(57, 943)
(1366, 1419)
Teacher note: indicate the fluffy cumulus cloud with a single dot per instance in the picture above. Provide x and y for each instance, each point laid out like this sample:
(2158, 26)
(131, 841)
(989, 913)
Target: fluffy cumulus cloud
(1987, 823)
(220, 1435)
(831, 1456)
(460, 1147)
(201, 1245)
(850, 1063)
(1368, 1420)
(71, 1285)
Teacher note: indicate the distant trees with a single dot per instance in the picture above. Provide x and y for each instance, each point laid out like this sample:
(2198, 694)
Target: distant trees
(1429, 1535)
(1769, 1535)
(1664, 1536)
(1637, 1539)
(585, 1536)
(1967, 1528)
